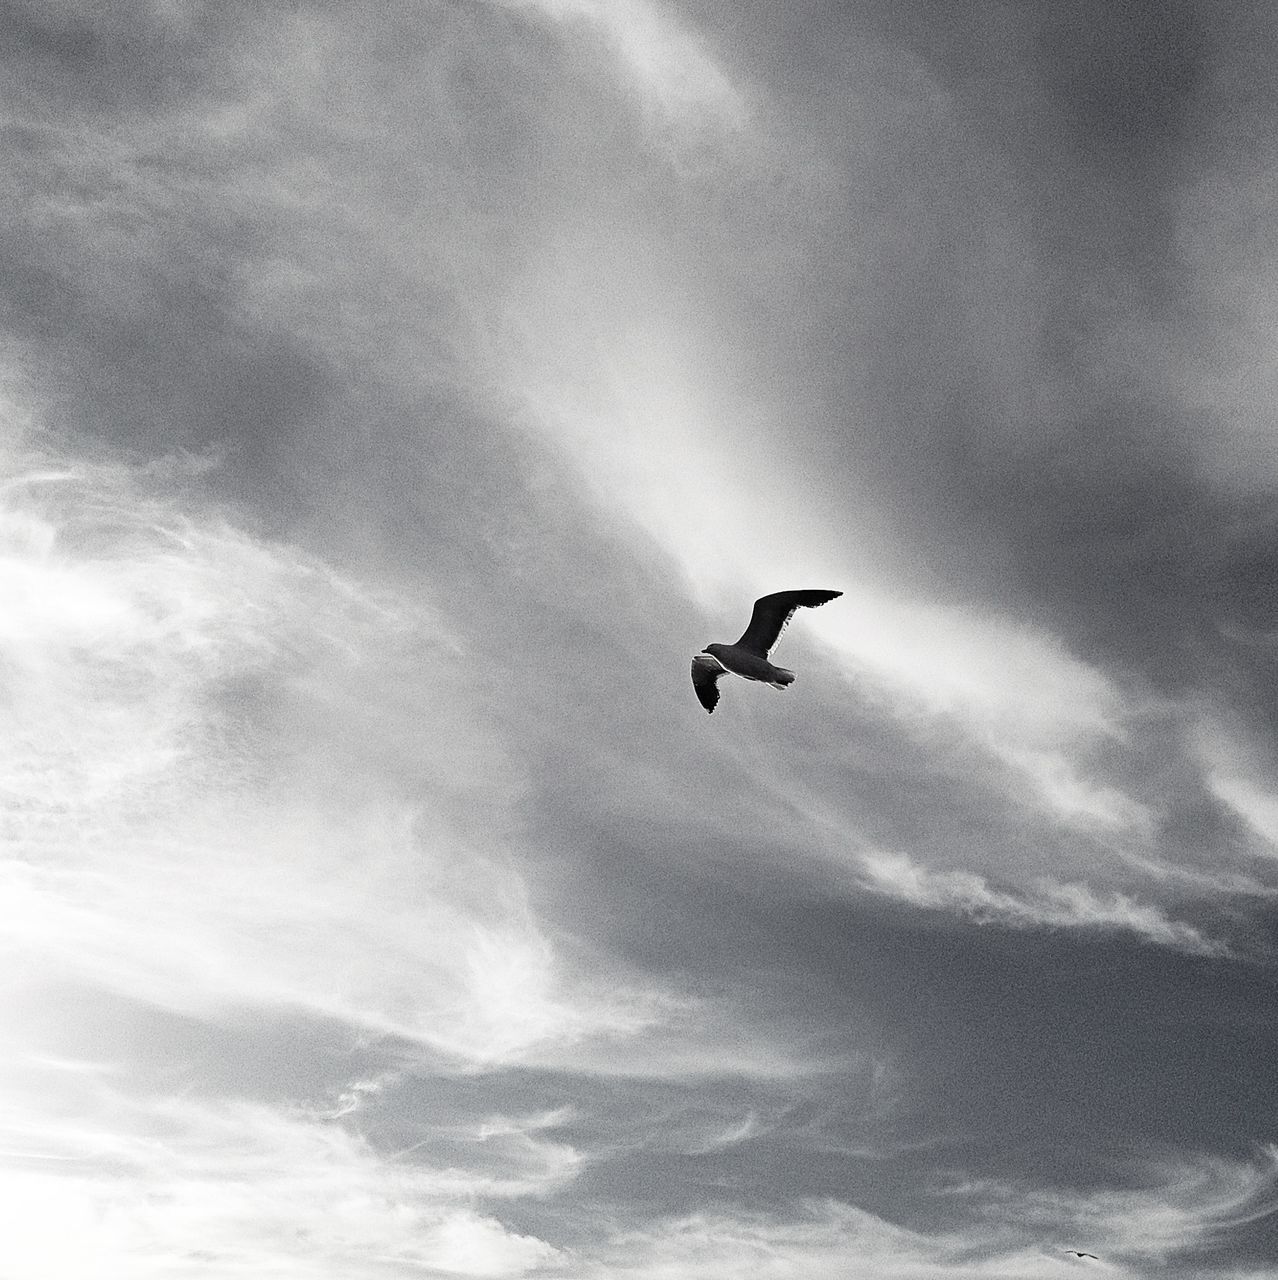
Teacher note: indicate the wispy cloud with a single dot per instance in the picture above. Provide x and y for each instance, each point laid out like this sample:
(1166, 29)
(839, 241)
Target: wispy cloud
(173, 1186)
(1023, 1232)
(1043, 902)
(1177, 1205)
(173, 836)
(830, 1240)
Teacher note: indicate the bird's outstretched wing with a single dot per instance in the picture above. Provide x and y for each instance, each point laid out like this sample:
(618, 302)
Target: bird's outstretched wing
(705, 675)
(771, 613)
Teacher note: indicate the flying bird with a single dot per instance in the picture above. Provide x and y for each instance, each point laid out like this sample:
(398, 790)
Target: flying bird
(1076, 1254)
(749, 656)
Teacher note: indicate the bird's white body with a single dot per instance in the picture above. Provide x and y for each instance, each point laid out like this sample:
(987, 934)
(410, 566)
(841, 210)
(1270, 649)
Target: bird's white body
(748, 658)
(749, 666)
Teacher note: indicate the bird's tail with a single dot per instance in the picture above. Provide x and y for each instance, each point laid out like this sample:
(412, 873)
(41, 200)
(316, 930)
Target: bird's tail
(782, 677)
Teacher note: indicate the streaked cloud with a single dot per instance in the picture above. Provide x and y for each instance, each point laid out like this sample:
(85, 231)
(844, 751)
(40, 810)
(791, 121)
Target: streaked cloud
(1047, 903)
(1178, 1206)
(1027, 1234)
(177, 1186)
(171, 843)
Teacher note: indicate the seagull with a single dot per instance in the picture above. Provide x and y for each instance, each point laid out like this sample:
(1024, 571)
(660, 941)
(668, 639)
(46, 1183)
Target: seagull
(1076, 1254)
(749, 656)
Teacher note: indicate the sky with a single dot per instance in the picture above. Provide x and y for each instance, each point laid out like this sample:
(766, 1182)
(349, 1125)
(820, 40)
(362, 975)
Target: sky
(393, 399)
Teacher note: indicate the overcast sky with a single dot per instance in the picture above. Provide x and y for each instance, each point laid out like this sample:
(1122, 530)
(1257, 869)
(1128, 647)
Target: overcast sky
(394, 396)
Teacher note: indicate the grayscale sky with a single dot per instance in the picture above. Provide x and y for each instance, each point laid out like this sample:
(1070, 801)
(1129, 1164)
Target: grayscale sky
(394, 396)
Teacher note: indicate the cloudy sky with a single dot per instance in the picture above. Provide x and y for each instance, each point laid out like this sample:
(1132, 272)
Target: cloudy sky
(393, 398)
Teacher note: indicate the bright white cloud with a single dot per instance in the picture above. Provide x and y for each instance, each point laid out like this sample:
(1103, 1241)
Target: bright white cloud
(1043, 726)
(193, 819)
(95, 1181)
(634, 405)
(1007, 677)
(1041, 902)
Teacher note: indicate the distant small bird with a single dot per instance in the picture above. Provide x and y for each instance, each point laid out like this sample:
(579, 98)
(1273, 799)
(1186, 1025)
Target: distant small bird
(1076, 1254)
(749, 656)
